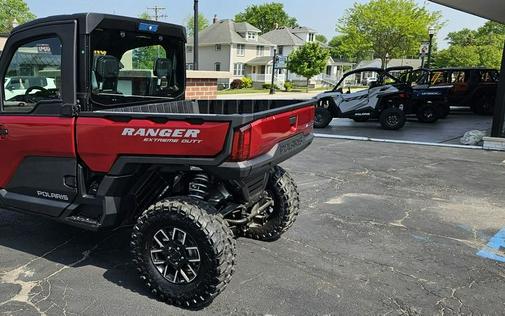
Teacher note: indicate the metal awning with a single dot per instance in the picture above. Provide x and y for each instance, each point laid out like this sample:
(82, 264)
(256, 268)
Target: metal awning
(488, 9)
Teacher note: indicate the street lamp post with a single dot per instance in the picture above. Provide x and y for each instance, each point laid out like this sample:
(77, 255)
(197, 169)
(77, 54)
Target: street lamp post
(431, 31)
(387, 60)
(195, 36)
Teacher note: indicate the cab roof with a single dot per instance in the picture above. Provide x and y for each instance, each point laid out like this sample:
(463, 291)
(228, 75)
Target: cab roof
(88, 22)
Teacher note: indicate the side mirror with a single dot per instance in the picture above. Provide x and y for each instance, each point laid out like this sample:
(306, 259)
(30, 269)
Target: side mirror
(162, 67)
(107, 67)
(340, 90)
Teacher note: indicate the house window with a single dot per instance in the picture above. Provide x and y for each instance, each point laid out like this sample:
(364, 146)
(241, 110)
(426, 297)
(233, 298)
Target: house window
(280, 50)
(190, 49)
(260, 50)
(311, 37)
(189, 66)
(217, 66)
(238, 69)
(240, 49)
(218, 47)
(251, 35)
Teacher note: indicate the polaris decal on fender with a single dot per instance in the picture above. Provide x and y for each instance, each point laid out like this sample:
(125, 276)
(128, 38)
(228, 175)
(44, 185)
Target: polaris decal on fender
(55, 196)
(164, 135)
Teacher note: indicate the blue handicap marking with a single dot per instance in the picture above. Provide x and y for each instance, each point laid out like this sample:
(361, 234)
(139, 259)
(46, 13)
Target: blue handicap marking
(495, 249)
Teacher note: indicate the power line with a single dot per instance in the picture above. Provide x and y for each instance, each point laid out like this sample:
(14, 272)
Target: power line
(158, 13)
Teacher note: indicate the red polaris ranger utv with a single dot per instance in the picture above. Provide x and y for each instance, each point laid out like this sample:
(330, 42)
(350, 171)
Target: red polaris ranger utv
(96, 133)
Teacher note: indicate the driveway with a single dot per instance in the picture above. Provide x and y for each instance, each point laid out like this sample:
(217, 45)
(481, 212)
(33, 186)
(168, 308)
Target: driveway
(383, 229)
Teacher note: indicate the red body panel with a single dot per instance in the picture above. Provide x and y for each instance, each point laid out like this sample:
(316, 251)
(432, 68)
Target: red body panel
(101, 141)
(267, 132)
(33, 136)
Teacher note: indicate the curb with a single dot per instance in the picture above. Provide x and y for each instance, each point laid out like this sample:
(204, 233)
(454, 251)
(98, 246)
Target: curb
(393, 141)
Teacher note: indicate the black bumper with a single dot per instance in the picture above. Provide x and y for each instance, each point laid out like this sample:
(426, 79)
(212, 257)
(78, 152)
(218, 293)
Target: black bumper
(279, 153)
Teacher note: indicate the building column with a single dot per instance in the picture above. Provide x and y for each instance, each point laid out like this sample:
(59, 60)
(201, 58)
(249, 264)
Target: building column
(498, 129)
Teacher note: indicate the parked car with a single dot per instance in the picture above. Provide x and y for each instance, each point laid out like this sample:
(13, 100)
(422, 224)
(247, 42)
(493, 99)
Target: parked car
(188, 176)
(387, 99)
(18, 86)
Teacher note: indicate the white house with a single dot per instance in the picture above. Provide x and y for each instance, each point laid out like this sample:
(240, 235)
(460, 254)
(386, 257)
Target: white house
(241, 49)
(229, 46)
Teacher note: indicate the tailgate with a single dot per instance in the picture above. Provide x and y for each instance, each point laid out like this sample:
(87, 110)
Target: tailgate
(262, 135)
(100, 141)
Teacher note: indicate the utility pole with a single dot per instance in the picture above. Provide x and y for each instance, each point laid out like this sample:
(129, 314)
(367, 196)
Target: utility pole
(195, 35)
(158, 13)
(274, 62)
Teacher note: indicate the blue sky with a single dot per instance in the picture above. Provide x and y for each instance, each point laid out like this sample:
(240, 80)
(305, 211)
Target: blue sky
(318, 14)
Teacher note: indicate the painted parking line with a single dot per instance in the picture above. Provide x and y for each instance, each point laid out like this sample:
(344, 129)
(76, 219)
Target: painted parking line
(495, 249)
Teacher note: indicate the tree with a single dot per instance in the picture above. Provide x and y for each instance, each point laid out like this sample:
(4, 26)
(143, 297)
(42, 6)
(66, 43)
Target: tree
(11, 10)
(190, 24)
(308, 60)
(341, 50)
(393, 28)
(321, 38)
(473, 48)
(266, 17)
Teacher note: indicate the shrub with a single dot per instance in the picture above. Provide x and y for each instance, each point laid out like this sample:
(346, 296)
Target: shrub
(268, 86)
(248, 82)
(288, 85)
(237, 84)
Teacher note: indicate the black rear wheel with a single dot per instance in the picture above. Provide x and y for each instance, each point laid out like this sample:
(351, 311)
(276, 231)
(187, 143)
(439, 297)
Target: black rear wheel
(483, 105)
(184, 255)
(392, 118)
(427, 113)
(323, 118)
(279, 217)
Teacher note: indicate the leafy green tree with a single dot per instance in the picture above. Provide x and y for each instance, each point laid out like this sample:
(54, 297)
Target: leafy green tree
(308, 60)
(202, 24)
(473, 48)
(321, 38)
(391, 28)
(266, 17)
(340, 49)
(11, 10)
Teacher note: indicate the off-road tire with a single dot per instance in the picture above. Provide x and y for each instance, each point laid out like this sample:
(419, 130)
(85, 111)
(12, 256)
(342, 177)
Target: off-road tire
(323, 118)
(215, 242)
(389, 124)
(427, 113)
(283, 190)
(483, 105)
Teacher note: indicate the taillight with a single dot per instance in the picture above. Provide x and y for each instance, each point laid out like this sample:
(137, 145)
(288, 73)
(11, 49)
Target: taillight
(241, 148)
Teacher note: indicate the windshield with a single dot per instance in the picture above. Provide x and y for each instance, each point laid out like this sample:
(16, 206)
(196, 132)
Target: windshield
(135, 68)
(365, 79)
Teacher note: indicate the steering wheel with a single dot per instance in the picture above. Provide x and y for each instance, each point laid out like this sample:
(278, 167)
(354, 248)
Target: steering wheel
(32, 98)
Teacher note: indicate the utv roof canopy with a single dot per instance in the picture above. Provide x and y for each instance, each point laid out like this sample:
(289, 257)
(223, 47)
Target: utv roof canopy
(88, 22)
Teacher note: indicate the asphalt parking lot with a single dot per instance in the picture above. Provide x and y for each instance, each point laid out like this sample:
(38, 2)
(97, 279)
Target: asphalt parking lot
(384, 229)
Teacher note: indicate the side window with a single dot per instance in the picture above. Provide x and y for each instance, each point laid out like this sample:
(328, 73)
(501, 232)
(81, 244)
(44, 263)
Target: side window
(33, 75)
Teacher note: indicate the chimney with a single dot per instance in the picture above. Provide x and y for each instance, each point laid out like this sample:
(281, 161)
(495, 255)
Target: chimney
(214, 20)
